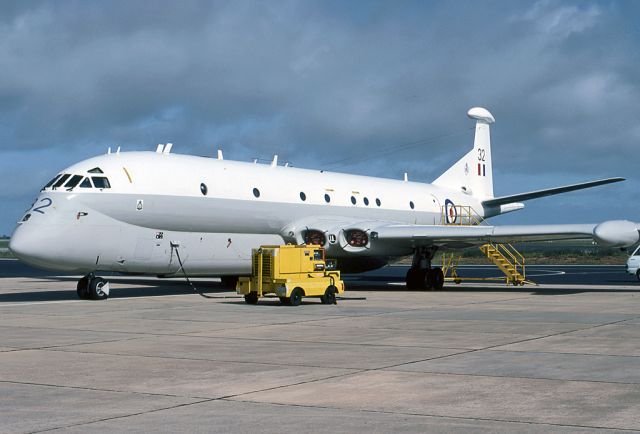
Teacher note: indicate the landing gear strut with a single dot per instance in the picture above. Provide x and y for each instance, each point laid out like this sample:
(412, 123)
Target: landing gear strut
(421, 275)
(91, 287)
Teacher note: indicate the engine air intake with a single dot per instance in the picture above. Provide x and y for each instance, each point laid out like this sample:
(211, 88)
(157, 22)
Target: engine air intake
(357, 238)
(314, 236)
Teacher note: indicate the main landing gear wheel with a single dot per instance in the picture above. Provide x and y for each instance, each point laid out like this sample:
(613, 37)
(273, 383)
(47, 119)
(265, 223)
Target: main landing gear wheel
(329, 296)
(251, 298)
(296, 297)
(435, 278)
(229, 282)
(415, 279)
(431, 278)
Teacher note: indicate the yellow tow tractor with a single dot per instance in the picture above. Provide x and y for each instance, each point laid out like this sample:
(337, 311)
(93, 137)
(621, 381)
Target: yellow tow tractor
(291, 272)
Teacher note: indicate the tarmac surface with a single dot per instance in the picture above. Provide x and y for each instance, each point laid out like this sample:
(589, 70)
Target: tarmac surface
(563, 356)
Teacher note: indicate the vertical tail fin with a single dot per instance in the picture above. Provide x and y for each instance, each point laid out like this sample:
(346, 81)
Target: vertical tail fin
(473, 173)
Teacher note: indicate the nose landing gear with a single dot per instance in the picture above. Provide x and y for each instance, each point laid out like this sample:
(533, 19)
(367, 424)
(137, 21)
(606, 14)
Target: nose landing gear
(91, 287)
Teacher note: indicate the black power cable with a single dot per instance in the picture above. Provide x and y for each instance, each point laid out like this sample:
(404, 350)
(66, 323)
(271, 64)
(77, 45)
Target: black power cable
(176, 247)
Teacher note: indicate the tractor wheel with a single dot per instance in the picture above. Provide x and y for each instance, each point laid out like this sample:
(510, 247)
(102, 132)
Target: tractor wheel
(296, 297)
(329, 296)
(251, 298)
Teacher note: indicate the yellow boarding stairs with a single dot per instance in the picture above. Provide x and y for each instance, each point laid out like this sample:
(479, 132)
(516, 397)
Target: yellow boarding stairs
(503, 256)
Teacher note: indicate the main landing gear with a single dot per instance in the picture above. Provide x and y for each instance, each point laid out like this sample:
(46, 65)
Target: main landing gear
(229, 282)
(421, 275)
(91, 287)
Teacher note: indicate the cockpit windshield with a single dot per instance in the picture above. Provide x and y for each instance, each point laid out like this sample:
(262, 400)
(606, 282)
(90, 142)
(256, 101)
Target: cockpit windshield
(61, 180)
(70, 181)
(75, 180)
(50, 183)
(100, 182)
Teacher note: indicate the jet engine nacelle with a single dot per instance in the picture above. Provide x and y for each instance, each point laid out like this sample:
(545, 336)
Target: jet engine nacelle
(616, 233)
(338, 240)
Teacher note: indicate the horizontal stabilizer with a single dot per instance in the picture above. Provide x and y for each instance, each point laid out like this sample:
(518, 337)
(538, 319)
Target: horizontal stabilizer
(496, 201)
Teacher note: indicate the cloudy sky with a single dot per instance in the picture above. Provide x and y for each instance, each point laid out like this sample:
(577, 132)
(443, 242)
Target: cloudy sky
(332, 85)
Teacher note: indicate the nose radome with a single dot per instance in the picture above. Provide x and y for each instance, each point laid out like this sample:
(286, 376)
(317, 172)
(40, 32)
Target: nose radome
(26, 245)
(20, 244)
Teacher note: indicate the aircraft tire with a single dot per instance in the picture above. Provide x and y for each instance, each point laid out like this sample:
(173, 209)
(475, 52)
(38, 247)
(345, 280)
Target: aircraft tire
(251, 298)
(415, 279)
(229, 282)
(329, 296)
(95, 288)
(296, 297)
(435, 279)
(82, 289)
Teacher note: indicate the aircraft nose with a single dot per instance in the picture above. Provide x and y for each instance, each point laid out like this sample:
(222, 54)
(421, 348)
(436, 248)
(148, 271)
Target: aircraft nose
(21, 244)
(26, 245)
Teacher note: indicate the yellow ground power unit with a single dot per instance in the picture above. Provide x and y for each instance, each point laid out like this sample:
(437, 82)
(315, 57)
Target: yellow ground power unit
(291, 272)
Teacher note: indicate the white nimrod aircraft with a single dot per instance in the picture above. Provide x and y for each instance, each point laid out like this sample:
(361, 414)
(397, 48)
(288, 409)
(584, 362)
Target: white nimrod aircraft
(150, 212)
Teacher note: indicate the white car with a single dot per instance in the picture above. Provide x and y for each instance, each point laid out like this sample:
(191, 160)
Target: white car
(633, 263)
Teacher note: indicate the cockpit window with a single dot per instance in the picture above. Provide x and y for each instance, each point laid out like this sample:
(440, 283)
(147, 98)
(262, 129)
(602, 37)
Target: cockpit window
(100, 182)
(86, 183)
(50, 183)
(75, 180)
(96, 170)
(61, 180)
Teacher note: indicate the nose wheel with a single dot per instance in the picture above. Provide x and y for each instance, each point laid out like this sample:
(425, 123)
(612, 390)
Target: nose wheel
(91, 287)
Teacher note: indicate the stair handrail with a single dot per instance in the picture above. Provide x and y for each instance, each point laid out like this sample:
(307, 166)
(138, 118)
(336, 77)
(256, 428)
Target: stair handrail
(463, 212)
(518, 261)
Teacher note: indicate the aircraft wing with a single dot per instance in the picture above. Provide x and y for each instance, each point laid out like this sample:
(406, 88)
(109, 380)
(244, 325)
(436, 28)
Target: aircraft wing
(384, 238)
(615, 233)
(547, 192)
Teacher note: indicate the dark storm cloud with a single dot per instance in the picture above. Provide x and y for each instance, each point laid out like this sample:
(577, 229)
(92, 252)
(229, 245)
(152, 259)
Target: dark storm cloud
(320, 83)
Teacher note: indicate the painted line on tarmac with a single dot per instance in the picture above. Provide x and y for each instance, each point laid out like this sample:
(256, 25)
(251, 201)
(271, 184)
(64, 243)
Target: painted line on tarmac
(548, 273)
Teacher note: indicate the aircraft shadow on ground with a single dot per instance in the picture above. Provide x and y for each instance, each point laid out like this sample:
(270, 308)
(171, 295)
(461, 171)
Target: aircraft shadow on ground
(140, 288)
(144, 287)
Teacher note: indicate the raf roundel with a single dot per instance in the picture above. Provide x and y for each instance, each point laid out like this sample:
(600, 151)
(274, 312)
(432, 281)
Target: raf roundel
(450, 211)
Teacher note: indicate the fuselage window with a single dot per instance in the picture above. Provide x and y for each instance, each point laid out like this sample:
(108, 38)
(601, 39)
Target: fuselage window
(256, 192)
(327, 198)
(203, 189)
(61, 180)
(353, 200)
(100, 182)
(303, 196)
(96, 170)
(75, 180)
(366, 201)
(411, 205)
(50, 183)
(86, 183)
(378, 202)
